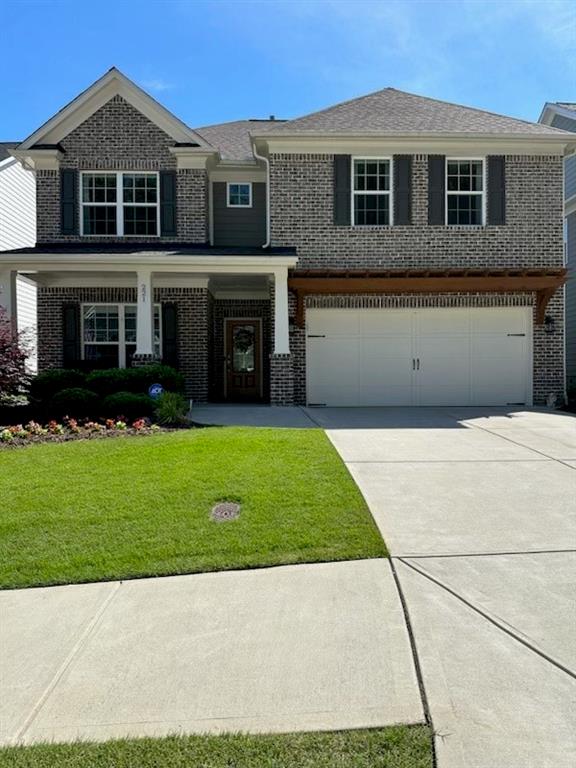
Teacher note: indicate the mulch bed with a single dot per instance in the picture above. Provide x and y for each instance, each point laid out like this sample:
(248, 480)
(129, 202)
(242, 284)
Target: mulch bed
(66, 437)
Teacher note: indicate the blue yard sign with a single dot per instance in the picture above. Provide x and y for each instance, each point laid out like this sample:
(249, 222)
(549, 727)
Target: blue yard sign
(155, 390)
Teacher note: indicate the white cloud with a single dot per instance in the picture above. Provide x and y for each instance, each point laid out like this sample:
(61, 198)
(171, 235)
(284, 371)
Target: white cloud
(157, 84)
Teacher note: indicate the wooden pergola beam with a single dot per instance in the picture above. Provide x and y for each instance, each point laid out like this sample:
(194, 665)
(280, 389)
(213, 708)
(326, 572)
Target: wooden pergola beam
(543, 284)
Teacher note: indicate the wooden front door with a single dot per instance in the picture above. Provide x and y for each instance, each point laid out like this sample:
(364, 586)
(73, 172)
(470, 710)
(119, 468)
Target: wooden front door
(243, 359)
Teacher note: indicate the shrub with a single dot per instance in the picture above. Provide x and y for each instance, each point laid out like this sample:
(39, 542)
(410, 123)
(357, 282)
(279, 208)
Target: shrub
(171, 409)
(137, 380)
(74, 401)
(48, 383)
(131, 406)
(13, 355)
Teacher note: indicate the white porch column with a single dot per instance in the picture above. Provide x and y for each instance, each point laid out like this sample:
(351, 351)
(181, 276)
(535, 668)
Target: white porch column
(144, 313)
(8, 294)
(281, 326)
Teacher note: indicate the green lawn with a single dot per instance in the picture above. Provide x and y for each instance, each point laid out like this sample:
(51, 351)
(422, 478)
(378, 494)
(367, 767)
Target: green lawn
(140, 506)
(395, 747)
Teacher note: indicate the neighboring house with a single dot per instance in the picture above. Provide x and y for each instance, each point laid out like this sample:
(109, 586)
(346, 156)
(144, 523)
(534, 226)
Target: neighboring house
(18, 230)
(563, 115)
(390, 250)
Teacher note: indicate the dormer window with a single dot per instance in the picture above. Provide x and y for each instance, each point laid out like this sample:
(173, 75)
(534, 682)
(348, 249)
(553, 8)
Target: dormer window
(120, 204)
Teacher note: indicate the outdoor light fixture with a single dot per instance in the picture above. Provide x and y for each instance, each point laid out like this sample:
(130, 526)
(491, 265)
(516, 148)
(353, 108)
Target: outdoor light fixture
(549, 324)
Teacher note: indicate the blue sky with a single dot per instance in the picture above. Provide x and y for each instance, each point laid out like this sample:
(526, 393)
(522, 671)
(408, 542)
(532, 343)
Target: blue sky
(212, 61)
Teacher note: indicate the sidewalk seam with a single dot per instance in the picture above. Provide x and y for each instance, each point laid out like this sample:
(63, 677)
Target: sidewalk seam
(490, 619)
(416, 661)
(80, 642)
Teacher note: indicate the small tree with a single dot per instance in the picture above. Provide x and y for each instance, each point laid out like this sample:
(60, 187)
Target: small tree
(13, 355)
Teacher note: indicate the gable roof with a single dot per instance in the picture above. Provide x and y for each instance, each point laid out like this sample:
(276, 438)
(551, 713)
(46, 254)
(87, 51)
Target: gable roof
(111, 84)
(392, 112)
(233, 139)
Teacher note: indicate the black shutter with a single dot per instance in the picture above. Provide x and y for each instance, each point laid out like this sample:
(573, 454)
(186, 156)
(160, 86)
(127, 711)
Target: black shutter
(402, 189)
(170, 334)
(68, 197)
(342, 189)
(436, 189)
(496, 189)
(70, 335)
(168, 203)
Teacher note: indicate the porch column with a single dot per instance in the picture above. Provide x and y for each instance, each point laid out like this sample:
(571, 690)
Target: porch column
(144, 315)
(281, 325)
(8, 295)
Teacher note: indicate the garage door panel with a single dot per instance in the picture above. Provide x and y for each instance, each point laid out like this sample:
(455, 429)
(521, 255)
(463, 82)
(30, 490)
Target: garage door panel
(385, 371)
(333, 372)
(462, 356)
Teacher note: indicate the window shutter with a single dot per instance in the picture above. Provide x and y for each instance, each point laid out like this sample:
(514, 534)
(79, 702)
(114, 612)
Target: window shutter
(496, 189)
(436, 189)
(68, 201)
(342, 189)
(170, 334)
(70, 335)
(168, 203)
(402, 189)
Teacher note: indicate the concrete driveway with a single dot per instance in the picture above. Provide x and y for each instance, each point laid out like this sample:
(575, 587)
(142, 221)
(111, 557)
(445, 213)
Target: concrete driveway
(478, 508)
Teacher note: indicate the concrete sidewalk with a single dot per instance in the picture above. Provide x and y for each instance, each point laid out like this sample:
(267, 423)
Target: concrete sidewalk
(304, 647)
(478, 508)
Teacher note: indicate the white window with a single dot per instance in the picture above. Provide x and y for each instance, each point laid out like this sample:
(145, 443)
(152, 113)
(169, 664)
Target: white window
(121, 204)
(239, 195)
(371, 191)
(465, 191)
(109, 334)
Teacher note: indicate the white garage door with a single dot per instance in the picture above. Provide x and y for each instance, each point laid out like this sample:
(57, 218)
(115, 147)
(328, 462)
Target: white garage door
(468, 356)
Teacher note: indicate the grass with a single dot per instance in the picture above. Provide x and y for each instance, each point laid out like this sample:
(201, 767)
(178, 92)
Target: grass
(140, 506)
(394, 747)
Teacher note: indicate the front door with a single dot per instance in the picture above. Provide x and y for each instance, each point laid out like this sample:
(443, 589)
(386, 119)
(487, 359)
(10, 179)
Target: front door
(243, 360)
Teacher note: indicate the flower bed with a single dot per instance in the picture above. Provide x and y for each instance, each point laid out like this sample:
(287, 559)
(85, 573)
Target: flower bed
(71, 429)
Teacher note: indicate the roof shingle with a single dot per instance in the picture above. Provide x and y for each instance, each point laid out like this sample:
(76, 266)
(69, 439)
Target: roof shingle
(393, 112)
(233, 139)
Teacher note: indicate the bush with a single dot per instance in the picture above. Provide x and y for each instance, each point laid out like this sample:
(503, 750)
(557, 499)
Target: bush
(47, 384)
(131, 406)
(171, 409)
(137, 380)
(14, 352)
(76, 402)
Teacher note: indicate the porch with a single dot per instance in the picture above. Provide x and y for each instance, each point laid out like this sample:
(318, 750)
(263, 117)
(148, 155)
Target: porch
(220, 317)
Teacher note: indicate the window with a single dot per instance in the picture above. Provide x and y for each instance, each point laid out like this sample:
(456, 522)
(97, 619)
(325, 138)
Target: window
(120, 204)
(465, 192)
(109, 334)
(371, 191)
(239, 195)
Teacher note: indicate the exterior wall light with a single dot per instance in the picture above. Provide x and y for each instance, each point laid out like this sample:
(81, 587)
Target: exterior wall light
(549, 325)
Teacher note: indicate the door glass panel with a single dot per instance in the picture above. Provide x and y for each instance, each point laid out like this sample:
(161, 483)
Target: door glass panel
(243, 357)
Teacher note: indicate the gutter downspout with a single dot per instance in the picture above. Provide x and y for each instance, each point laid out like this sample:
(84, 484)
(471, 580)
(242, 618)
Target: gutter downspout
(266, 161)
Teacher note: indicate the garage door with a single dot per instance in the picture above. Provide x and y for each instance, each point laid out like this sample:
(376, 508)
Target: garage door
(468, 356)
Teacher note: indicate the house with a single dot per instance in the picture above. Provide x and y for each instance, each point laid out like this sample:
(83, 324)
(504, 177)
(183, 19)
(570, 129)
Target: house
(563, 115)
(18, 230)
(389, 250)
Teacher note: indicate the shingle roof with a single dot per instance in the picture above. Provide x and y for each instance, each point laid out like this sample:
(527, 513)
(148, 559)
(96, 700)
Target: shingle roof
(395, 112)
(233, 139)
(5, 146)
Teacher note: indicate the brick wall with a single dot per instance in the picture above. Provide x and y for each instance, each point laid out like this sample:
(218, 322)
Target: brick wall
(193, 311)
(302, 215)
(118, 137)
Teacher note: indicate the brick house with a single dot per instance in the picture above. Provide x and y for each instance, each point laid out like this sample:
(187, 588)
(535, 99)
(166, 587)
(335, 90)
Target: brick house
(390, 250)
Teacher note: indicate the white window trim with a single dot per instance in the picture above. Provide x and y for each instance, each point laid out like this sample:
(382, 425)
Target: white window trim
(119, 202)
(121, 328)
(236, 184)
(483, 192)
(355, 192)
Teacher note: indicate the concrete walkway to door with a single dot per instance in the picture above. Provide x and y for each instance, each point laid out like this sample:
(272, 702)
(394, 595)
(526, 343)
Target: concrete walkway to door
(478, 509)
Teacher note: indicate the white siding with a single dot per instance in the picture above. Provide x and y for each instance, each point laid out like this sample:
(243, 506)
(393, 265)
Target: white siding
(27, 317)
(17, 206)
